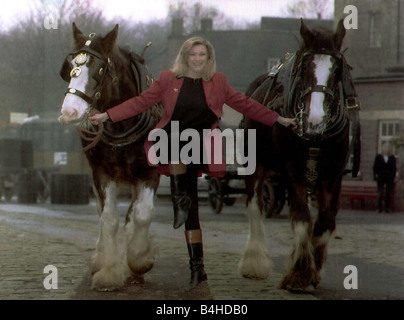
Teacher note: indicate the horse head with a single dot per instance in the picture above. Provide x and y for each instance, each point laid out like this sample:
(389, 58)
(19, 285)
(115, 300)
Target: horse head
(87, 69)
(318, 67)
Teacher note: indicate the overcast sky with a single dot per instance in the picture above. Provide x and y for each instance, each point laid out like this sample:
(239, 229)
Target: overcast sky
(146, 10)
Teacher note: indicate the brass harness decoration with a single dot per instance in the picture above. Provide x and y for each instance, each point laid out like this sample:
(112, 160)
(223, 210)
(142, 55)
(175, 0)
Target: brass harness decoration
(311, 173)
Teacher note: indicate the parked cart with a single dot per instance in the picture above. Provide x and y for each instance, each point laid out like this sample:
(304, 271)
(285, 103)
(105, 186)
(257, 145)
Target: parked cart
(41, 160)
(226, 190)
(18, 175)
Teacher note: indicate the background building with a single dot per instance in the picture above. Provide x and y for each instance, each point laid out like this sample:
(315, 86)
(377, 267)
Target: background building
(376, 52)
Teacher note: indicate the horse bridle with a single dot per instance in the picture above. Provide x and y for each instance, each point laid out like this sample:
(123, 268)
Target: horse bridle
(344, 88)
(348, 109)
(105, 67)
(102, 64)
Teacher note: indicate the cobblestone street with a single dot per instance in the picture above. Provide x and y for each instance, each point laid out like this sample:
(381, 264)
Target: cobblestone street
(34, 236)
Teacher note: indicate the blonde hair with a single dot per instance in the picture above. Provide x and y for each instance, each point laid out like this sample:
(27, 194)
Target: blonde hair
(180, 66)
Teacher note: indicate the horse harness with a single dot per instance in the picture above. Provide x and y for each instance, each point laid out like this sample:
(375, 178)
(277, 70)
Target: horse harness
(289, 71)
(105, 67)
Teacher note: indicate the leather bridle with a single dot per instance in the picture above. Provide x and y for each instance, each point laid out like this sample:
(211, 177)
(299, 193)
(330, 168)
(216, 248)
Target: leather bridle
(342, 95)
(289, 73)
(101, 64)
(104, 67)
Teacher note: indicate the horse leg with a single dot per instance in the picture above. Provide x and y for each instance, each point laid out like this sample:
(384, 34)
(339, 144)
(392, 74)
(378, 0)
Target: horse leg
(328, 201)
(109, 272)
(301, 273)
(255, 262)
(140, 252)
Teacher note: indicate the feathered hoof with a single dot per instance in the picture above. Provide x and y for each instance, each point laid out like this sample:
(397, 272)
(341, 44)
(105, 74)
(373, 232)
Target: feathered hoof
(109, 279)
(300, 282)
(255, 264)
(136, 279)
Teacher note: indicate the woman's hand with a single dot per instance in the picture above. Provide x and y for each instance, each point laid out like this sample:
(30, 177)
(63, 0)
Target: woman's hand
(287, 122)
(99, 117)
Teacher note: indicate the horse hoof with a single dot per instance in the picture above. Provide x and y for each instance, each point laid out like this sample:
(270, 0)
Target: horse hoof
(309, 289)
(297, 283)
(136, 279)
(108, 279)
(106, 289)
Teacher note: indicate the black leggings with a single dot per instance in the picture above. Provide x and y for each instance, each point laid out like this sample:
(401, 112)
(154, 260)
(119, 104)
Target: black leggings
(192, 222)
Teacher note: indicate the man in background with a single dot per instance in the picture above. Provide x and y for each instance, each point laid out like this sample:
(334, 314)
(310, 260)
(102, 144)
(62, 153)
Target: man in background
(384, 171)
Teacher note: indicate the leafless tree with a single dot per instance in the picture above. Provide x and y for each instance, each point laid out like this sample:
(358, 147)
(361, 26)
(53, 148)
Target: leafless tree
(315, 9)
(31, 54)
(192, 15)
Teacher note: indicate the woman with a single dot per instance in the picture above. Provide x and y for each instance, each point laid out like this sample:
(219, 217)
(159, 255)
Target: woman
(193, 94)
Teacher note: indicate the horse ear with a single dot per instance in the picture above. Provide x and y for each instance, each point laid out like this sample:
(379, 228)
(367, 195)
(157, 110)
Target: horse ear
(306, 33)
(108, 42)
(77, 34)
(339, 34)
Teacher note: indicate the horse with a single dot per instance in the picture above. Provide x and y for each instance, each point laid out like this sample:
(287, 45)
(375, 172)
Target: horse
(314, 86)
(100, 75)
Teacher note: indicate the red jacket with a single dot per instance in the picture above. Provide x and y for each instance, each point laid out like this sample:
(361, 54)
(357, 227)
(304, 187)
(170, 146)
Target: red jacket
(217, 92)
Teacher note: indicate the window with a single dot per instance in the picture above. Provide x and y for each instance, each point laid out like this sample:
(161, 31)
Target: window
(375, 31)
(387, 131)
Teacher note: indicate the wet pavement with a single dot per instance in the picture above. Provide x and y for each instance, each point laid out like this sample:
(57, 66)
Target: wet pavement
(34, 236)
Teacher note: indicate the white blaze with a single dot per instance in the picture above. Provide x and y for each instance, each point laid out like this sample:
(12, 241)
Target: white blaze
(322, 71)
(73, 106)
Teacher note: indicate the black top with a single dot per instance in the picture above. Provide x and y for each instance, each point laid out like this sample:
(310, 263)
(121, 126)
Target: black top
(191, 109)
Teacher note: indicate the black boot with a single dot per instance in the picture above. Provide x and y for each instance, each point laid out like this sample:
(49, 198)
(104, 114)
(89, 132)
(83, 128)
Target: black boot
(195, 251)
(180, 198)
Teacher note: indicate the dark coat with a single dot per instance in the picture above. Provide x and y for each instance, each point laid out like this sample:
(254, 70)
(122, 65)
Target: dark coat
(384, 171)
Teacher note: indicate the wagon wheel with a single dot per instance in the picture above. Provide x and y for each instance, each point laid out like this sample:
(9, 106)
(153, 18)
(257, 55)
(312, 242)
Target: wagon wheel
(268, 194)
(216, 194)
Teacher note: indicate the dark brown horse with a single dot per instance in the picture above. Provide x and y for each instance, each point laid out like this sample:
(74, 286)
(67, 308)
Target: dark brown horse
(101, 75)
(314, 86)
